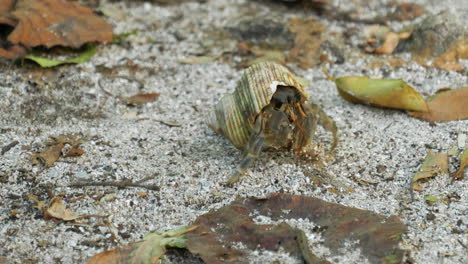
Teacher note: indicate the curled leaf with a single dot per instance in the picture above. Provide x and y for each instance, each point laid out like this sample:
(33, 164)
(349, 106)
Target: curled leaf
(446, 105)
(56, 209)
(390, 43)
(391, 93)
(435, 163)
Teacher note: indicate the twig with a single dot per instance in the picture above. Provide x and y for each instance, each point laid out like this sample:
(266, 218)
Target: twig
(9, 146)
(122, 184)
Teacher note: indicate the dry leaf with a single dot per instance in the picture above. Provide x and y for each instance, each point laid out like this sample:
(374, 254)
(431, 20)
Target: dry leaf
(34, 23)
(263, 55)
(376, 236)
(149, 250)
(48, 156)
(130, 115)
(140, 99)
(40, 205)
(449, 61)
(75, 150)
(390, 43)
(376, 34)
(395, 62)
(391, 93)
(56, 209)
(435, 163)
(444, 106)
(307, 41)
(458, 175)
(198, 60)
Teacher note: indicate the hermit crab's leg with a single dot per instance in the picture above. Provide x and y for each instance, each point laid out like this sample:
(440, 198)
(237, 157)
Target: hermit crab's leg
(326, 122)
(252, 150)
(306, 125)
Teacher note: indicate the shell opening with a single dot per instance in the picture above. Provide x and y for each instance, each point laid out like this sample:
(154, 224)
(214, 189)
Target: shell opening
(285, 95)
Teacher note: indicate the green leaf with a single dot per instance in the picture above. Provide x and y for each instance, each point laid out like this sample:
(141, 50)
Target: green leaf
(147, 251)
(391, 93)
(119, 38)
(83, 57)
(431, 199)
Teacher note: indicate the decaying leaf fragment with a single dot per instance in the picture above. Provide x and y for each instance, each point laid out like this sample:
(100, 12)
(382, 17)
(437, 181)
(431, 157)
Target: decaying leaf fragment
(458, 175)
(446, 105)
(198, 60)
(149, 250)
(56, 210)
(380, 40)
(307, 41)
(35, 23)
(376, 236)
(261, 55)
(83, 57)
(450, 60)
(431, 199)
(48, 156)
(435, 163)
(391, 93)
(139, 99)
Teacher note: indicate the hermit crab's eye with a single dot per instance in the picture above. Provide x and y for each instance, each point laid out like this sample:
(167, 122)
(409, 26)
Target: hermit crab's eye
(284, 95)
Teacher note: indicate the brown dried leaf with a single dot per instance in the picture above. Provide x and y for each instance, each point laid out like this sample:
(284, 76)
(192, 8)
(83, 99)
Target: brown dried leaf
(390, 43)
(35, 23)
(48, 156)
(395, 62)
(198, 59)
(75, 150)
(458, 175)
(449, 61)
(435, 163)
(377, 236)
(444, 106)
(307, 41)
(140, 99)
(56, 209)
(40, 205)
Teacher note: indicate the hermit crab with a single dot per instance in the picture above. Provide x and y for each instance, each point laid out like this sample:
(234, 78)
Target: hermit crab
(268, 109)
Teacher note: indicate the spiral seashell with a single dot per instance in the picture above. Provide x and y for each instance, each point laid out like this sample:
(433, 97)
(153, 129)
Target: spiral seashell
(235, 113)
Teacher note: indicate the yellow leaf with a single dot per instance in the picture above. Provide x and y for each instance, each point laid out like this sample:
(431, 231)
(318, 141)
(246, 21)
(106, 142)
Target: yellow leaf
(391, 93)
